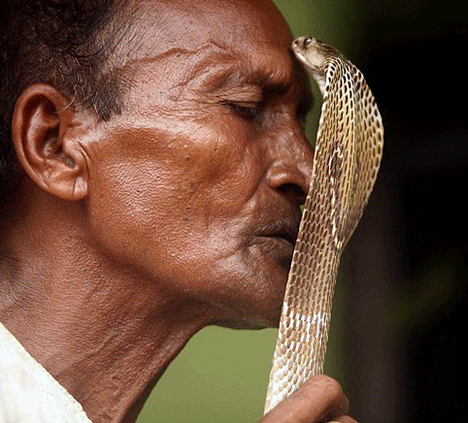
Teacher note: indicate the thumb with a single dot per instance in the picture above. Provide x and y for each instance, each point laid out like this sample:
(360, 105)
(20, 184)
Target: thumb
(320, 398)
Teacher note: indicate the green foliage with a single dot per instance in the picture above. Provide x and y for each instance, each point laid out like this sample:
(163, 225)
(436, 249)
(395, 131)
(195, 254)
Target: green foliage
(220, 376)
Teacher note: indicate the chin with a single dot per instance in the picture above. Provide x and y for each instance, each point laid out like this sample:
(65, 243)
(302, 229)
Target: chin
(242, 324)
(264, 313)
(253, 292)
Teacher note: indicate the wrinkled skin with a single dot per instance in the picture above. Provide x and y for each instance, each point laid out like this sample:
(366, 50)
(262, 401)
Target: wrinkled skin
(216, 191)
(131, 235)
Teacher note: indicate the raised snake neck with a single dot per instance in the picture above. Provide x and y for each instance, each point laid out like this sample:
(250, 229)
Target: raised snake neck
(346, 162)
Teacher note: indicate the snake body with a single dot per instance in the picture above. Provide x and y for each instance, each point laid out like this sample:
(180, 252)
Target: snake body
(346, 162)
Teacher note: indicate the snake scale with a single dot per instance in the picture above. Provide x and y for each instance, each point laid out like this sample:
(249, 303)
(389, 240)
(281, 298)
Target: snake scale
(346, 162)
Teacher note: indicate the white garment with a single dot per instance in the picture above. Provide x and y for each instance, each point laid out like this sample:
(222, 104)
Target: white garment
(28, 393)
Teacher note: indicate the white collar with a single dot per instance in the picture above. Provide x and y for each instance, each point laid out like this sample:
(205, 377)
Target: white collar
(28, 393)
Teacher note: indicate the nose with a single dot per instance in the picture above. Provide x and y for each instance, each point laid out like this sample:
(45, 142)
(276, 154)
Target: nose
(291, 170)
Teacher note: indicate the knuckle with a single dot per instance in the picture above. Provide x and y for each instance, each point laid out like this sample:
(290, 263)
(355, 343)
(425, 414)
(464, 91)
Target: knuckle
(330, 385)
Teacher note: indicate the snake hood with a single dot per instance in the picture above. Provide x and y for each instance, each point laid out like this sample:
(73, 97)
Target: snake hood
(346, 161)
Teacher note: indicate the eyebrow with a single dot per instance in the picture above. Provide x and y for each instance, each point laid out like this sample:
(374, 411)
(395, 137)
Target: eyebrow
(226, 76)
(229, 76)
(239, 82)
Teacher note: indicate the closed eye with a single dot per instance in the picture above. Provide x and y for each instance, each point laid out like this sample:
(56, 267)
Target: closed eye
(245, 110)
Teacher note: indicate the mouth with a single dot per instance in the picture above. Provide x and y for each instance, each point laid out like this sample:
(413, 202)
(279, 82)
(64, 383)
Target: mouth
(284, 237)
(282, 231)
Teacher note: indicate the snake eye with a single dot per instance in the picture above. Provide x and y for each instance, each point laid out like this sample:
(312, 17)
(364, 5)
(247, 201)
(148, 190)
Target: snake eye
(307, 41)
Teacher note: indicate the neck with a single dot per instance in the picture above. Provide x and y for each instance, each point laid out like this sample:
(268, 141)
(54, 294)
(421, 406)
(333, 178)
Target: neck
(105, 333)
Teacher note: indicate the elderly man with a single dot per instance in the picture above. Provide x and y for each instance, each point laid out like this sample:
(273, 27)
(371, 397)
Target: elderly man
(153, 165)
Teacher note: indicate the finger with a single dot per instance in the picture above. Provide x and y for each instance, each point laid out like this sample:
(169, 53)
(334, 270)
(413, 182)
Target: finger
(338, 411)
(319, 398)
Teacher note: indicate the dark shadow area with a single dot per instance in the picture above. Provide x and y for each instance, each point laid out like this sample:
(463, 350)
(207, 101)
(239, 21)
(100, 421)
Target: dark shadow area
(407, 263)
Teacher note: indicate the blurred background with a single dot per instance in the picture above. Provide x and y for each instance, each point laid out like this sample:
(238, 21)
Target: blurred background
(399, 323)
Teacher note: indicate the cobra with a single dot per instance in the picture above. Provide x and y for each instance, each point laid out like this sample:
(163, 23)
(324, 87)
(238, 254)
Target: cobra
(347, 159)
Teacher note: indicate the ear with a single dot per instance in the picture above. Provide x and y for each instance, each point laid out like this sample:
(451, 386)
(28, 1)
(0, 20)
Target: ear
(44, 132)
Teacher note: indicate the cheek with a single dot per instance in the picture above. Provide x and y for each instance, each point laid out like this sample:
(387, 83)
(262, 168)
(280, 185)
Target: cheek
(136, 196)
(159, 201)
(175, 208)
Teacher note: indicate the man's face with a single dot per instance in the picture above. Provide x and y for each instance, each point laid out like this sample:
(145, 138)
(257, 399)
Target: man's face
(196, 186)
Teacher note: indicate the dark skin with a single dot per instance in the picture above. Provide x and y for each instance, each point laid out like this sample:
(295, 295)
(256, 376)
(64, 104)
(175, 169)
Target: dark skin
(129, 236)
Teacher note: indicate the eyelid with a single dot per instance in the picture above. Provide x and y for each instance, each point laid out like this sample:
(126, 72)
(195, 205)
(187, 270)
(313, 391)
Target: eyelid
(243, 104)
(249, 95)
(251, 111)
(245, 101)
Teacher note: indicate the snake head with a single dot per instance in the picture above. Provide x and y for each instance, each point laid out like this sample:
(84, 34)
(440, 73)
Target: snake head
(314, 55)
(311, 53)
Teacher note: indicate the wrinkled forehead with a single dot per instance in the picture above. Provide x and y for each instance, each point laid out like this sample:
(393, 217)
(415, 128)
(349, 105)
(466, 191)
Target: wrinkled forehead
(251, 28)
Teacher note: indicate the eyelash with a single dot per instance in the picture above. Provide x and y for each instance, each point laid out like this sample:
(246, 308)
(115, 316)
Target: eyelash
(251, 113)
(243, 111)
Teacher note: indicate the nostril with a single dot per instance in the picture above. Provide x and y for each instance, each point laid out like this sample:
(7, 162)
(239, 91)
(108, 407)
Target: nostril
(290, 179)
(294, 192)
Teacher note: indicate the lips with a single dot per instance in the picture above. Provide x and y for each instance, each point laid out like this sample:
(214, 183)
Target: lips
(285, 229)
(283, 235)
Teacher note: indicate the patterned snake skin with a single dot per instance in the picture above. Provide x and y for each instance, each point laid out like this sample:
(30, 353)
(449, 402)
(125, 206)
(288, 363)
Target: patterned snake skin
(346, 163)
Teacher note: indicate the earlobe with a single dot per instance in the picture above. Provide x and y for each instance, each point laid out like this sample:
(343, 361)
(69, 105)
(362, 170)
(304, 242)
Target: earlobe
(42, 132)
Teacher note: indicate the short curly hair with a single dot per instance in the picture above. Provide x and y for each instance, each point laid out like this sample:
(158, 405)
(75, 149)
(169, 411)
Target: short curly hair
(64, 43)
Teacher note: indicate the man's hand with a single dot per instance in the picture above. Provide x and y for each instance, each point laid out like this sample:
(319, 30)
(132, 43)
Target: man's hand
(319, 400)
